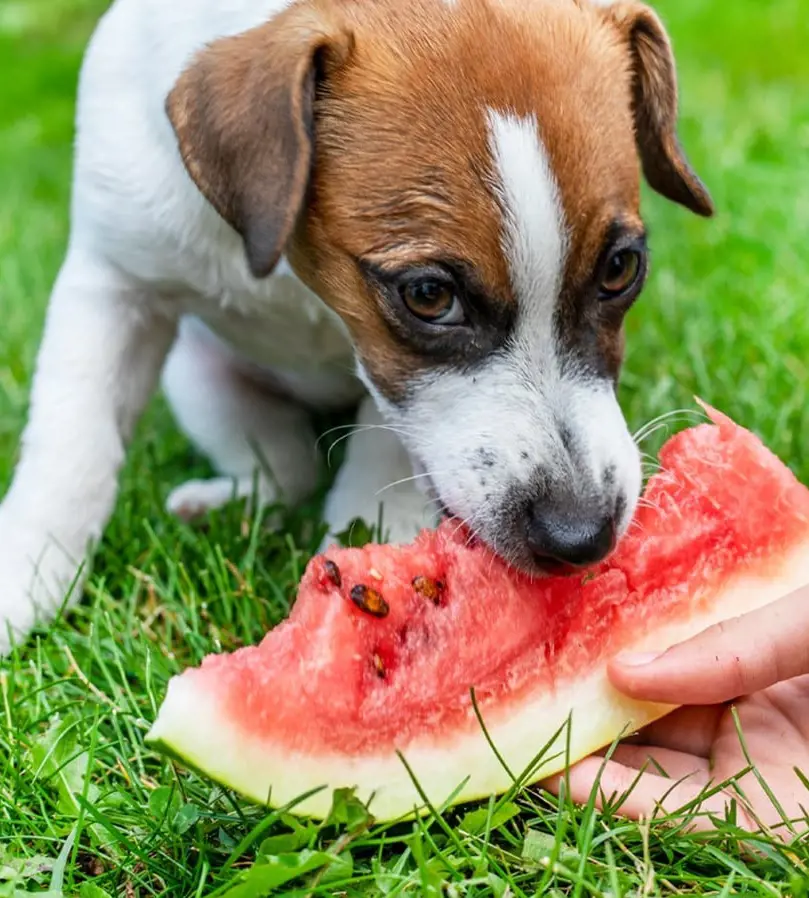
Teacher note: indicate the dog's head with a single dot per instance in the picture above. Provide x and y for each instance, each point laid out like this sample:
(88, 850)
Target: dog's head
(459, 180)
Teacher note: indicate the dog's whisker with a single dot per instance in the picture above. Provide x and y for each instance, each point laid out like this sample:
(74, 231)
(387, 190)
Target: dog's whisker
(336, 428)
(636, 525)
(429, 505)
(664, 416)
(664, 420)
(358, 428)
(412, 478)
(357, 431)
(462, 523)
(650, 505)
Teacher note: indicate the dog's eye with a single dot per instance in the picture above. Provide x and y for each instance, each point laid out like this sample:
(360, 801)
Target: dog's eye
(432, 300)
(623, 270)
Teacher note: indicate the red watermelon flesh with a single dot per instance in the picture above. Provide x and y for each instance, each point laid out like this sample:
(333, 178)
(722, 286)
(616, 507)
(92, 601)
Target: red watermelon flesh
(335, 692)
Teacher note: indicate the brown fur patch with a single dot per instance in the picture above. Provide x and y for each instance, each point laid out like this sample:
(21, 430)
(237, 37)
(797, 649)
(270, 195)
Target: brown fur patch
(654, 88)
(402, 168)
(242, 113)
(403, 162)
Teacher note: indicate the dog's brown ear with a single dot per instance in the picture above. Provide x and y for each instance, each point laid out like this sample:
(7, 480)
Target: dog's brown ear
(655, 107)
(243, 115)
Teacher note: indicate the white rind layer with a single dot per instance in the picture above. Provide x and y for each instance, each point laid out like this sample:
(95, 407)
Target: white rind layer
(192, 726)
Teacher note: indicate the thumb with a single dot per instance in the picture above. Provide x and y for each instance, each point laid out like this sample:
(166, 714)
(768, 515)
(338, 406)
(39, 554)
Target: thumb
(730, 659)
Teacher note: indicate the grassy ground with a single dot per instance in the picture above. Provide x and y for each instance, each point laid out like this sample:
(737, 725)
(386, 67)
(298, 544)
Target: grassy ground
(85, 809)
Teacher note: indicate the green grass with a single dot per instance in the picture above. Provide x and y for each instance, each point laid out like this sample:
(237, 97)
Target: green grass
(86, 810)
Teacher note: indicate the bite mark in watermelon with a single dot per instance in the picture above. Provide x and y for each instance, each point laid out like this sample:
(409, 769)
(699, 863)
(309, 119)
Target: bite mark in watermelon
(384, 644)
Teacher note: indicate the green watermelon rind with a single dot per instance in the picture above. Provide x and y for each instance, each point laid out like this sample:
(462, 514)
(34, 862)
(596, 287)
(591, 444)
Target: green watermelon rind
(172, 754)
(191, 728)
(273, 786)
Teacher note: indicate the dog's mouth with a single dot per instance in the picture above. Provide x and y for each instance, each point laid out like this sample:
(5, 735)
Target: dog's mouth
(552, 567)
(543, 566)
(444, 513)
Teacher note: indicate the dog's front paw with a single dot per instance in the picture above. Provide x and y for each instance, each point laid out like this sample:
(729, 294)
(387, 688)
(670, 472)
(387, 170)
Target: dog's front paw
(36, 579)
(195, 498)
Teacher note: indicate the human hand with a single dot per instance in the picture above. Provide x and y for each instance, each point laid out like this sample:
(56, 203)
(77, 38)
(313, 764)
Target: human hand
(762, 657)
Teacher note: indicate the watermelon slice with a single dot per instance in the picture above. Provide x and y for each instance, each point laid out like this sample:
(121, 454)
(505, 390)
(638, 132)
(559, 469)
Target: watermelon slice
(386, 645)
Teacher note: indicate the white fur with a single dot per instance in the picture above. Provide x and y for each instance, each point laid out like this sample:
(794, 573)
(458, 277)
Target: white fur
(237, 422)
(377, 482)
(149, 255)
(147, 250)
(535, 232)
(482, 432)
(104, 343)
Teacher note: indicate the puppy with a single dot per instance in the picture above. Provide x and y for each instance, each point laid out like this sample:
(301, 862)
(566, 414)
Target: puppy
(429, 208)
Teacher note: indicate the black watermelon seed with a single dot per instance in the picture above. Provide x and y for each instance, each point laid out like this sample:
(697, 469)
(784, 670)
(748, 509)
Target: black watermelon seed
(369, 601)
(332, 572)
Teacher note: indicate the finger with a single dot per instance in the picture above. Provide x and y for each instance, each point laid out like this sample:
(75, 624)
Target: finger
(733, 658)
(691, 730)
(641, 795)
(675, 765)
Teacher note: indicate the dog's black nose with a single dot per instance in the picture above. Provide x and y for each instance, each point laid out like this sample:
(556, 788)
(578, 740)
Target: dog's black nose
(569, 539)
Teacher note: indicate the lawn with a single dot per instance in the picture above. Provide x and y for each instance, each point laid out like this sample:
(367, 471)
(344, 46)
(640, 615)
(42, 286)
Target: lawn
(86, 810)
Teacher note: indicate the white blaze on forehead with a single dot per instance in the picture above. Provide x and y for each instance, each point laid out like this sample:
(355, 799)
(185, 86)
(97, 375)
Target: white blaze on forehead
(534, 232)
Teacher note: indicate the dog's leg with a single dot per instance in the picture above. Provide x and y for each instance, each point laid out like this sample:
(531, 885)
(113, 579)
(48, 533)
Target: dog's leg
(377, 482)
(100, 358)
(256, 440)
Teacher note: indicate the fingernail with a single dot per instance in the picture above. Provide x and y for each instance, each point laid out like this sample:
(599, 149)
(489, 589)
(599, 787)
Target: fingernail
(638, 659)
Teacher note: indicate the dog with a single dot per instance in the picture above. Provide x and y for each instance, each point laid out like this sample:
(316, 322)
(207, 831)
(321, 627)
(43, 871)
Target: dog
(427, 209)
